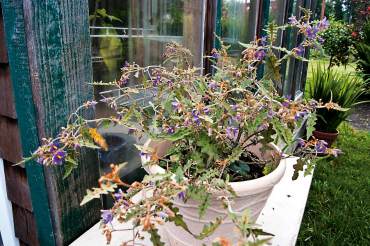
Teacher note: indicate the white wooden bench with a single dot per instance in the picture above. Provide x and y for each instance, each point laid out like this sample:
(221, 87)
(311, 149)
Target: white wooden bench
(282, 215)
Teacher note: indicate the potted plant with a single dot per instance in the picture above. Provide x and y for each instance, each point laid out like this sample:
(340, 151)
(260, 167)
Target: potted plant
(330, 85)
(211, 152)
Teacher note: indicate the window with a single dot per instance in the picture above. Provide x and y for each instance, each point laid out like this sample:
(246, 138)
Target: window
(239, 20)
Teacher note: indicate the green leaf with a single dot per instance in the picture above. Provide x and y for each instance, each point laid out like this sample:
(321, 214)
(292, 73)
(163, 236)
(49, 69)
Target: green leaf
(70, 164)
(155, 237)
(282, 131)
(311, 122)
(208, 229)
(178, 219)
(179, 134)
(97, 192)
(208, 147)
(179, 174)
(272, 68)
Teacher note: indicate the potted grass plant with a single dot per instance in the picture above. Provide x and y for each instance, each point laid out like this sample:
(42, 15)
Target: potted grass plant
(331, 85)
(211, 154)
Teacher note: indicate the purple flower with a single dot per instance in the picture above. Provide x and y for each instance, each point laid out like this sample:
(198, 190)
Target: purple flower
(323, 24)
(145, 155)
(157, 80)
(335, 152)
(299, 51)
(171, 130)
(320, 40)
(76, 146)
(237, 117)
(176, 105)
(170, 83)
(321, 146)
(260, 54)
(263, 41)
(234, 107)
(232, 132)
(206, 110)
(299, 115)
(215, 53)
(181, 195)
(270, 114)
(195, 114)
(285, 104)
(311, 32)
(212, 85)
(162, 215)
(54, 146)
(59, 157)
(106, 216)
(292, 20)
(118, 195)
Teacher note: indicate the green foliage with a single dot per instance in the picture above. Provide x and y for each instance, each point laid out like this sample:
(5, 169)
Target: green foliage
(155, 238)
(208, 229)
(338, 207)
(97, 192)
(337, 43)
(362, 53)
(329, 85)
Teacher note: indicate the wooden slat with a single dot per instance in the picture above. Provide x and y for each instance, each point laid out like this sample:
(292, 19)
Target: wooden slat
(7, 107)
(25, 226)
(60, 64)
(17, 186)
(3, 53)
(209, 32)
(10, 146)
(19, 67)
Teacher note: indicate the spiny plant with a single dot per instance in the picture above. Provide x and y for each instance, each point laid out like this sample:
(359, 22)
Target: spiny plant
(327, 86)
(212, 121)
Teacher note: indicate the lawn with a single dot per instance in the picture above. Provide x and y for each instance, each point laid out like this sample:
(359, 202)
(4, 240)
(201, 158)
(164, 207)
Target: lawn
(338, 208)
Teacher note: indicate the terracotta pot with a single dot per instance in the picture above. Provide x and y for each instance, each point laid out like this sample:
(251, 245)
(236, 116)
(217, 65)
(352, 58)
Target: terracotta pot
(251, 195)
(329, 137)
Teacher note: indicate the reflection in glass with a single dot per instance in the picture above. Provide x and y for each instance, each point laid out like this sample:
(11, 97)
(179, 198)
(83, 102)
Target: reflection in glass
(137, 31)
(238, 23)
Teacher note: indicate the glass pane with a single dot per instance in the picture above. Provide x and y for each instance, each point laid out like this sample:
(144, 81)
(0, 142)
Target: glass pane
(238, 23)
(137, 30)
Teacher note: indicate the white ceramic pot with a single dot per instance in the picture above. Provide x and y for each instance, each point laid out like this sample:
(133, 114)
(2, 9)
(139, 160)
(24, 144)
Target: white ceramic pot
(251, 195)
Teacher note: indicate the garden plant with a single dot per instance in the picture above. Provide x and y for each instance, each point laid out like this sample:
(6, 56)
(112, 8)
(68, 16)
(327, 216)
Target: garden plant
(328, 85)
(211, 133)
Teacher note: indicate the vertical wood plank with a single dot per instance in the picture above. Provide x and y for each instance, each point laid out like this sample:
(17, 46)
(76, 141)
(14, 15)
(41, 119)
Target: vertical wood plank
(20, 75)
(3, 53)
(60, 63)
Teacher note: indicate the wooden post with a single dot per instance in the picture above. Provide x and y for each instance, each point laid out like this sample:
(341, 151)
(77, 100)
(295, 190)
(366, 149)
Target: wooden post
(49, 55)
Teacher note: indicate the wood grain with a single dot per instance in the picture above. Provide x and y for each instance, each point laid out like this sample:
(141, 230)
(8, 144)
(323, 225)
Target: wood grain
(3, 53)
(60, 63)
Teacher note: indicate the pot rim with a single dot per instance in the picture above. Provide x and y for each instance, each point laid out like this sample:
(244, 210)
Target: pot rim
(328, 133)
(241, 188)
